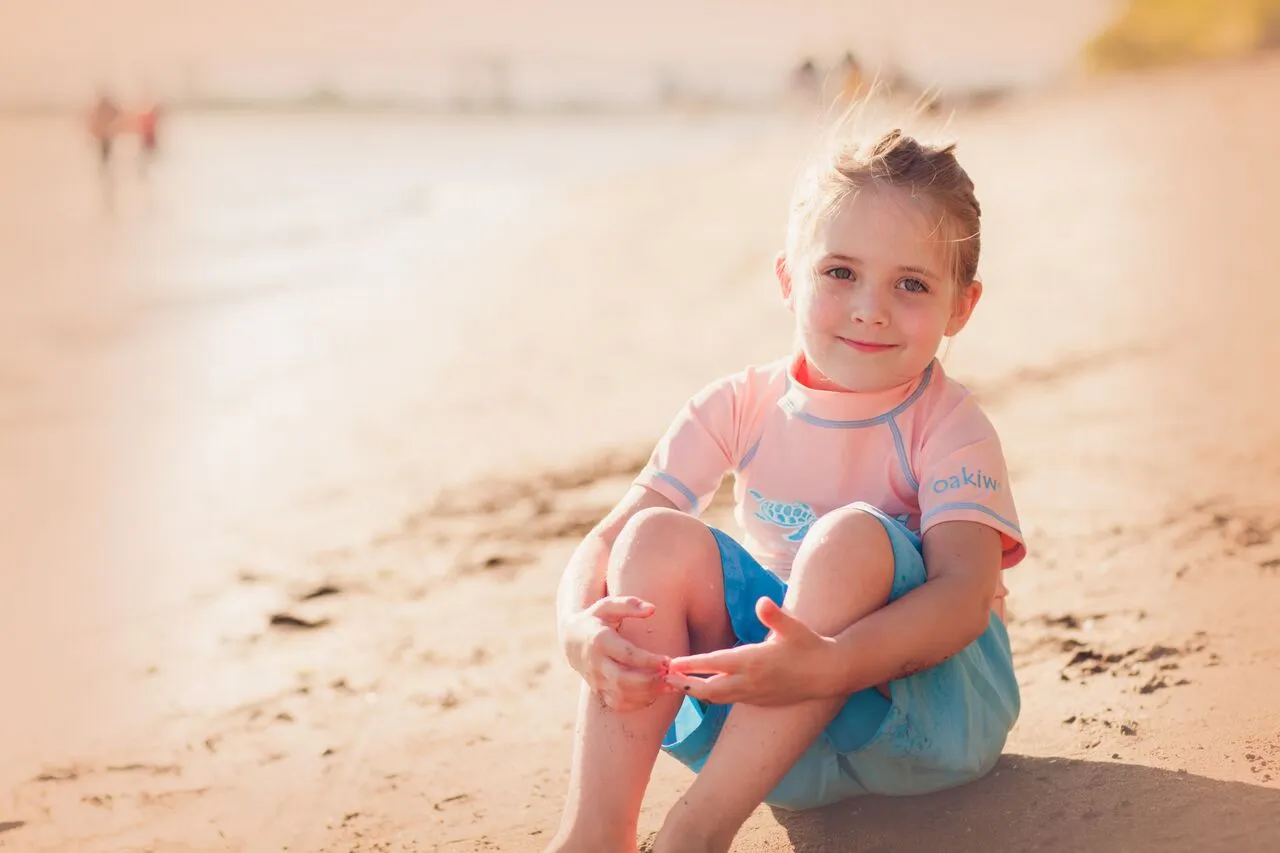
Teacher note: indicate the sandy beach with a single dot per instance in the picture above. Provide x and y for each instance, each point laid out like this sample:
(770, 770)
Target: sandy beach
(282, 524)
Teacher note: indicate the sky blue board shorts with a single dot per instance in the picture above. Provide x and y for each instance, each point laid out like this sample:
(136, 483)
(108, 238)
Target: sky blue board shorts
(943, 727)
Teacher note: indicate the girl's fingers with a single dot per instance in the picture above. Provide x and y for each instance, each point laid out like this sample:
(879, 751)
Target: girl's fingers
(720, 689)
(606, 673)
(615, 647)
(725, 661)
(635, 681)
(608, 683)
(779, 621)
(682, 683)
(615, 608)
(625, 689)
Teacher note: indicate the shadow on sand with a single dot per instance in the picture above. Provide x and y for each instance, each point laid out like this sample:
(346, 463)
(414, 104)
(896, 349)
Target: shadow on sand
(1046, 804)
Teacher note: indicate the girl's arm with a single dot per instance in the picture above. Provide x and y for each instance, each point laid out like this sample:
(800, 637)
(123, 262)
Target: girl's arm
(582, 583)
(923, 628)
(625, 676)
(927, 625)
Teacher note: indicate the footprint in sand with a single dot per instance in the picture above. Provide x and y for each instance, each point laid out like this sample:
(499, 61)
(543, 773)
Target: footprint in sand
(1153, 665)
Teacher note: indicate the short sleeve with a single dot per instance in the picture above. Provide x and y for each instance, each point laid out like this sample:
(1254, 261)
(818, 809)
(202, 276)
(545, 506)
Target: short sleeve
(963, 477)
(698, 449)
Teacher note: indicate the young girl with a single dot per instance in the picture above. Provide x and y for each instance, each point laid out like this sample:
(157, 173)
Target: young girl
(855, 644)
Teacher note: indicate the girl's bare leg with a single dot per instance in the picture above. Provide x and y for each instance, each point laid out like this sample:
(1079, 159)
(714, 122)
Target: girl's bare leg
(670, 560)
(843, 572)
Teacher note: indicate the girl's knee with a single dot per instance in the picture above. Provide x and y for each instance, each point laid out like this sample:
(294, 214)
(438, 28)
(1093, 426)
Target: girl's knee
(847, 547)
(849, 535)
(658, 542)
(661, 526)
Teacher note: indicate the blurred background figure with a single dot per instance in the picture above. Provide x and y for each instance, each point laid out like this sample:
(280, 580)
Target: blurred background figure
(146, 123)
(104, 125)
(806, 87)
(852, 81)
(105, 122)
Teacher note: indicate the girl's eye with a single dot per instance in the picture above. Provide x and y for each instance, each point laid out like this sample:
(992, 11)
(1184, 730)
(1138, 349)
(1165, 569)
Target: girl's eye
(842, 273)
(914, 285)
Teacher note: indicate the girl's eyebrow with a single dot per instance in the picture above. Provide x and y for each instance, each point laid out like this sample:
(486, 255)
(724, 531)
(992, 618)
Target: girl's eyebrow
(927, 273)
(836, 256)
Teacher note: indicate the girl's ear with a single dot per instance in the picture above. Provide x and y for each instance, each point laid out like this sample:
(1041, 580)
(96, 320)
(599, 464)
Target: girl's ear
(966, 301)
(784, 279)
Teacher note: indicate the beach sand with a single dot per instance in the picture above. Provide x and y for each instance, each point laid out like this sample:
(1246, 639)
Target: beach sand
(236, 627)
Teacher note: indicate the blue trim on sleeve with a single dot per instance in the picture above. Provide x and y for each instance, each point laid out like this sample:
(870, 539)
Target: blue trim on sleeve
(679, 487)
(969, 505)
(902, 456)
(751, 454)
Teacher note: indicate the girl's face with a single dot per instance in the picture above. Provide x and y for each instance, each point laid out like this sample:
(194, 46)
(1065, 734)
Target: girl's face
(874, 297)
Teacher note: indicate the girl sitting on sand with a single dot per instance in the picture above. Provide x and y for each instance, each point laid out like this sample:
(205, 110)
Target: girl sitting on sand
(856, 644)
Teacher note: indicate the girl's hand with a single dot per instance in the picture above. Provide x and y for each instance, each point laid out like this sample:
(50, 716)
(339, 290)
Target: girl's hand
(790, 666)
(624, 676)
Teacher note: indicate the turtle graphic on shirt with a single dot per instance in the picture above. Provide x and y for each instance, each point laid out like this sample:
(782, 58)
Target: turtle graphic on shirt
(797, 517)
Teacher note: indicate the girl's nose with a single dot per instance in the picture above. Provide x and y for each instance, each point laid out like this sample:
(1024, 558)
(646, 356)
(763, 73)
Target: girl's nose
(868, 307)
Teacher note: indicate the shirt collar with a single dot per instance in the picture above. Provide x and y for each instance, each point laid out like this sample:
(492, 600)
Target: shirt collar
(848, 408)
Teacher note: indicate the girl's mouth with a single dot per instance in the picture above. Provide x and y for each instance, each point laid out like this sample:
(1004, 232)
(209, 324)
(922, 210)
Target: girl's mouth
(866, 346)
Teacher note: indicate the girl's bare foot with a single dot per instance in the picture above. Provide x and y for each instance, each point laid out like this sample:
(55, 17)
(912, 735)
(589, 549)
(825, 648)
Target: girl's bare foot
(591, 845)
(691, 836)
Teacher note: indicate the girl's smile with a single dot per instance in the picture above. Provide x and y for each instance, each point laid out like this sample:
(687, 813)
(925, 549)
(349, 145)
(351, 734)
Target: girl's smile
(867, 346)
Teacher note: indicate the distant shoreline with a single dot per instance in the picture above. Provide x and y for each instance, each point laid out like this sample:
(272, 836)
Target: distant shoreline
(426, 108)
(680, 102)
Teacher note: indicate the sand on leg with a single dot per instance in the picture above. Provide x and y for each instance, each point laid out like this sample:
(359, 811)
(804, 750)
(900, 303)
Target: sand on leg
(843, 571)
(671, 560)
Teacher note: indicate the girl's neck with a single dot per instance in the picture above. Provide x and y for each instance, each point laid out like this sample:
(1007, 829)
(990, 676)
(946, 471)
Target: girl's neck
(813, 395)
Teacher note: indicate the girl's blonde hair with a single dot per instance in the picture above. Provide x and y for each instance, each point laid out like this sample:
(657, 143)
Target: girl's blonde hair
(928, 172)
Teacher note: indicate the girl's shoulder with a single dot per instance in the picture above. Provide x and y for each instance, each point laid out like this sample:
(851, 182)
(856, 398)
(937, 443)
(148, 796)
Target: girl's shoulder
(753, 382)
(948, 403)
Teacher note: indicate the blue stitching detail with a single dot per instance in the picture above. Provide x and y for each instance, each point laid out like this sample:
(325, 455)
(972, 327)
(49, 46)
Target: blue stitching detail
(678, 486)
(879, 419)
(969, 505)
(902, 456)
(751, 454)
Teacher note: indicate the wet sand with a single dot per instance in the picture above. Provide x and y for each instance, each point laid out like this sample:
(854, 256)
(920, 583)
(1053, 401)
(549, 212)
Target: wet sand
(248, 653)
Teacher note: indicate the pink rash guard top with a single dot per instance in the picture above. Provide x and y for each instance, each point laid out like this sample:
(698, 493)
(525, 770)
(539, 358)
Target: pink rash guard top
(922, 452)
